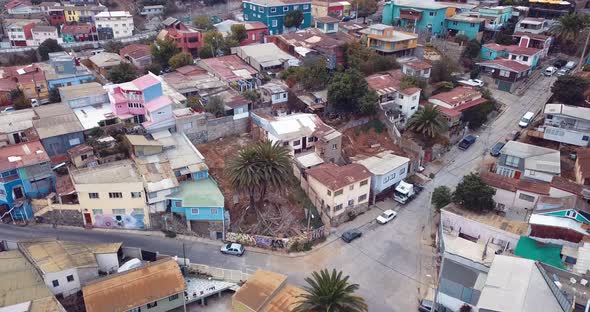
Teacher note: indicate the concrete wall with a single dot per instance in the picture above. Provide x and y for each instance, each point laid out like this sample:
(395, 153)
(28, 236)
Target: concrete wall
(200, 129)
(81, 276)
(107, 263)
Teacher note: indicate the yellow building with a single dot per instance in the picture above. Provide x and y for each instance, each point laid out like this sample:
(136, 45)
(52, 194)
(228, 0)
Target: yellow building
(384, 39)
(337, 9)
(112, 195)
(336, 190)
(71, 14)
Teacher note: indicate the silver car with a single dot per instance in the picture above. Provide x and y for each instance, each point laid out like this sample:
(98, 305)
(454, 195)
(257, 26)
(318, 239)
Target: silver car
(233, 249)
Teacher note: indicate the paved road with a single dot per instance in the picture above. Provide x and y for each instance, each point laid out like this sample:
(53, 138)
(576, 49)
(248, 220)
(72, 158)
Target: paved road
(390, 262)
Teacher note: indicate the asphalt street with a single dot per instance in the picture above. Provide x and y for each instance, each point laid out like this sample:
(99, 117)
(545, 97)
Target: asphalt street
(390, 262)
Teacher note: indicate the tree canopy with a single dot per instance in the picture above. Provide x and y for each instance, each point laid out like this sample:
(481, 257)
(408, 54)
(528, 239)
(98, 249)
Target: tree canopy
(570, 89)
(238, 32)
(346, 90)
(366, 60)
(48, 46)
(113, 46)
(442, 70)
(203, 22)
(441, 196)
(330, 292)
(163, 50)
(312, 75)
(180, 59)
(366, 8)
(474, 194)
(215, 106)
(471, 50)
(122, 73)
(293, 19)
(427, 121)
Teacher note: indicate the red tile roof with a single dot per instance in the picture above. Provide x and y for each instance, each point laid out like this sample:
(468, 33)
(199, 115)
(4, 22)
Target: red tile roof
(515, 49)
(255, 25)
(79, 29)
(135, 51)
(225, 67)
(410, 91)
(22, 155)
(566, 185)
(508, 64)
(495, 47)
(336, 177)
(418, 65)
(7, 85)
(13, 4)
(458, 96)
(510, 184)
(191, 70)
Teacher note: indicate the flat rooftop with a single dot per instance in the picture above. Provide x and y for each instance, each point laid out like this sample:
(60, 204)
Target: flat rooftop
(122, 171)
(491, 219)
(81, 90)
(56, 119)
(200, 193)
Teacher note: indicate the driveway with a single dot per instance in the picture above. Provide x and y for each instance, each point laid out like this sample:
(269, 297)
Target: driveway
(390, 262)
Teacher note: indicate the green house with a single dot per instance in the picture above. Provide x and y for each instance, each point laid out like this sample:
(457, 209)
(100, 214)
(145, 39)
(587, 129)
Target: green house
(571, 207)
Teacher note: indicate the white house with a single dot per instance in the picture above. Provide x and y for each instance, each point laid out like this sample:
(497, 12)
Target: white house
(274, 93)
(121, 22)
(152, 10)
(566, 124)
(524, 55)
(417, 67)
(22, 7)
(387, 170)
(525, 161)
(41, 33)
(533, 25)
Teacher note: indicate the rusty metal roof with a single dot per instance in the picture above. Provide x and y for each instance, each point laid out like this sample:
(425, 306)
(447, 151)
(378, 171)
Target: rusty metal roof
(259, 289)
(124, 291)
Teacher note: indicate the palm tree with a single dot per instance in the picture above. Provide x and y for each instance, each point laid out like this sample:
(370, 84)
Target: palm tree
(569, 27)
(427, 121)
(330, 292)
(275, 167)
(243, 173)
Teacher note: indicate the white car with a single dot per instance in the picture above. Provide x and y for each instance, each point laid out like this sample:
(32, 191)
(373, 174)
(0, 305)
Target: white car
(472, 83)
(386, 216)
(8, 109)
(479, 83)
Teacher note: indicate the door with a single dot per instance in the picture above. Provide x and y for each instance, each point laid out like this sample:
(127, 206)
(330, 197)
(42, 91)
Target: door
(504, 86)
(304, 143)
(87, 218)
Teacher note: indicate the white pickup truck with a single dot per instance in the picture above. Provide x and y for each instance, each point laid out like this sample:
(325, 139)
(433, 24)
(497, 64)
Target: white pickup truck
(472, 83)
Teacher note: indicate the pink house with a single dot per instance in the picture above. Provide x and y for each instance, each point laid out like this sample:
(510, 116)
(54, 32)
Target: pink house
(142, 101)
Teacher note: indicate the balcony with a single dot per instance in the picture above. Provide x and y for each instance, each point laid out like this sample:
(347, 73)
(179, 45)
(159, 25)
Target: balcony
(410, 14)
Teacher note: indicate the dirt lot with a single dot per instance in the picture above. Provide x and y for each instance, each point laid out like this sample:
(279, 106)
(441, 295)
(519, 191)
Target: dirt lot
(367, 141)
(286, 208)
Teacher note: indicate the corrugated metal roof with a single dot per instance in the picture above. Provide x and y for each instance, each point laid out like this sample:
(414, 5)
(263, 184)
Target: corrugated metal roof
(259, 289)
(124, 291)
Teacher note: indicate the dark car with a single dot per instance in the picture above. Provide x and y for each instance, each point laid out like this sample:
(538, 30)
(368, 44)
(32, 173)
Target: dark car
(495, 150)
(559, 63)
(350, 235)
(425, 305)
(467, 142)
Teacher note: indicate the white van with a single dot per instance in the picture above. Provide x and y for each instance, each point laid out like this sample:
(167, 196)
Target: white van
(526, 119)
(549, 71)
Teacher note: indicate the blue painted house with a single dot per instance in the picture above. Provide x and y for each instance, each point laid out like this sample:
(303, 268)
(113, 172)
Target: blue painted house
(65, 70)
(496, 17)
(58, 128)
(201, 201)
(272, 13)
(418, 16)
(25, 173)
(490, 51)
(469, 26)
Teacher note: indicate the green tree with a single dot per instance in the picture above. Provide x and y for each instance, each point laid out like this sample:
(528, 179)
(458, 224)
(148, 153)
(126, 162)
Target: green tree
(411, 82)
(54, 96)
(442, 70)
(163, 50)
(366, 60)
(569, 27)
(154, 68)
(312, 75)
(441, 196)
(365, 8)
(474, 194)
(180, 59)
(238, 32)
(427, 121)
(48, 46)
(368, 103)
(122, 73)
(471, 49)
(570, 89)
(478, 115)
(330, 292)
(243, 173)
(213, 40)
(206, 52)
(504, 38)
(113, 46)
(461, 39)
(203, 22)
(215, 106)
(252, 95)
(194, 103)
(346, 89)
(293, 19)
(21, 102)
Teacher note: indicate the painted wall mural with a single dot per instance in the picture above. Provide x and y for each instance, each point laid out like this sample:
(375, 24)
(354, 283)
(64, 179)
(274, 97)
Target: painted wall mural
(268, 242)
(130, 221)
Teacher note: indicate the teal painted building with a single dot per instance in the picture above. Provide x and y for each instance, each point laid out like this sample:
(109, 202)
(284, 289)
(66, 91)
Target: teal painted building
(496, 17)
(469, 26)
(416, 15)
(490, 51)
(272, 13)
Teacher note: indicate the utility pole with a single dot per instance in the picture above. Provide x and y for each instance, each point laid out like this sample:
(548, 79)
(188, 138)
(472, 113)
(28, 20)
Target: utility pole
(583, 51)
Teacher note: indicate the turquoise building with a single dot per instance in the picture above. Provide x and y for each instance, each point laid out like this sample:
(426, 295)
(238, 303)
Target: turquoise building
(490, 51)
(272, 13)
(496, 17)
(469, 26)
(416, 16)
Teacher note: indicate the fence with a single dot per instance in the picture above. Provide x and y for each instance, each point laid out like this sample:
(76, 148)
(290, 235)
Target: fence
(274, 243)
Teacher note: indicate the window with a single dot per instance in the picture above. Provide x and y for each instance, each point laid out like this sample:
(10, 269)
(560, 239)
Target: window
(571, 214)
(135, 194)
(97, 212)
(245, 5)
(338, 207)
(274, 23)
(273, 10)
(306, 6)
(75, 141)
(296, 142)
(365, 182)
(152, 194)
(512, 161)
(338, 192)
(195, 211)
(472, 25)
(525, 58)
(188, 125)
(70, 278)
(585, 138)
(119, 212)
(115, 195)
(351, 187)
(55, 283)
(432, 14)
(455, 23)
(260, 9)
(173, 297)
(137, 211)
(295, 7)
(84, 157)
(504, 73)
(351, 202)
(414, 97)
(334, 146)
(285, 8)
(93, 195)
(329, 193)
(526, 197)
(152, 305)
(362, 198)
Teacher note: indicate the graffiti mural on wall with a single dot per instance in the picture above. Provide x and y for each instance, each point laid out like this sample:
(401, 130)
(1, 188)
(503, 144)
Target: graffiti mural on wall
(130, 221)
(268, 242)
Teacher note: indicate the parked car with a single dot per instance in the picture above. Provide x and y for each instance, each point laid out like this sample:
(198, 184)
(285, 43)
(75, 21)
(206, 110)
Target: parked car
(513, 135)
(233, 249)
(350, 235)
(559, 63)
(562, 72)
(549, 71)
(8, 109)
(386, 216)
(472, 82)
(495, 150)
(571, 65)
(526, 119)
(425, 305)
(467, 142)
(34, 103)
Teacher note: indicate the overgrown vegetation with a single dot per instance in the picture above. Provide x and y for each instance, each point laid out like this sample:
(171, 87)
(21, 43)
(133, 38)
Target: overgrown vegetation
(122, 73)
(570, 89)
(48, 46)
(473, 193)
(312, 75)
(441, 196)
